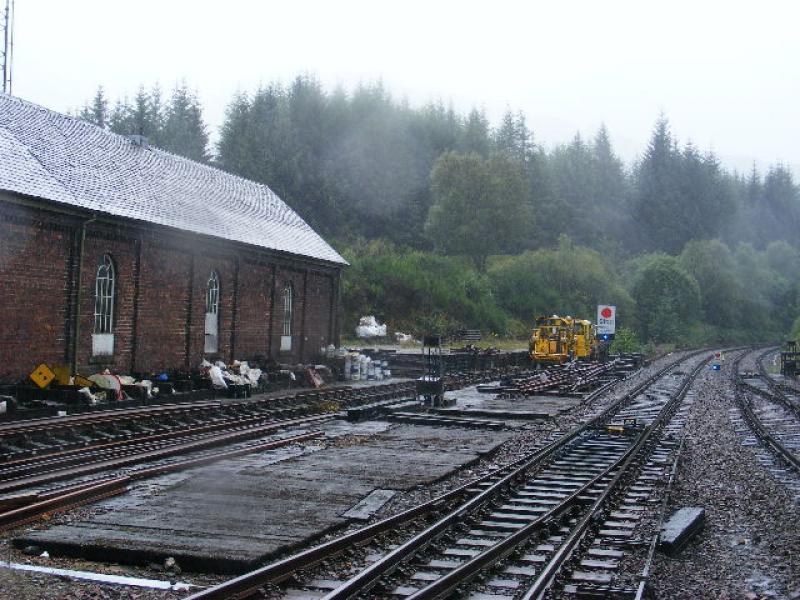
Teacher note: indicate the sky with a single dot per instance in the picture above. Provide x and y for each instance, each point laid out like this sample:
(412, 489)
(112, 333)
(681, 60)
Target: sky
(726, 74)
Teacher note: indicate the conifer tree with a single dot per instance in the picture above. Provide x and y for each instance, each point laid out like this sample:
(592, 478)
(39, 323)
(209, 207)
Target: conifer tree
(475, 136)
(97, 111)
(185, 132)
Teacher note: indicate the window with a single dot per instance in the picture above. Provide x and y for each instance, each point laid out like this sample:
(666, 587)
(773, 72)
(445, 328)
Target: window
(286, 338)
(287, 310)
(104, 292)
(212, 314)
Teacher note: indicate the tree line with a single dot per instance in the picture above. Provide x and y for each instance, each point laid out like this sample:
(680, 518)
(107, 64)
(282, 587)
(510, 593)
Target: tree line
(175, 124)
(687, 248)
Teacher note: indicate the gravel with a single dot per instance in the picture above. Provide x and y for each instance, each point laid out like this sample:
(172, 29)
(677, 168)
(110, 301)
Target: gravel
(750, 546)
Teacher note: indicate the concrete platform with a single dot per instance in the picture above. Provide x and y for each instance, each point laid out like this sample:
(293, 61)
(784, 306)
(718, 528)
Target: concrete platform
(228, 516)
(472, 403)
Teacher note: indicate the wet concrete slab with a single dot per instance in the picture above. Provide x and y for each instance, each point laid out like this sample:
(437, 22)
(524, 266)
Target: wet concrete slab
(228, 516)
(472, 403)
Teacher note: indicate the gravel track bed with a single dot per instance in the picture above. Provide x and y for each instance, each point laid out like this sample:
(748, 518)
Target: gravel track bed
(750, 546)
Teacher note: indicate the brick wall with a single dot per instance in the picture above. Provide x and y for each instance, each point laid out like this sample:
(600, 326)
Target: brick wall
(35, 291)
(163, 319)
(253, 310)
(318, 317)
(159, 311)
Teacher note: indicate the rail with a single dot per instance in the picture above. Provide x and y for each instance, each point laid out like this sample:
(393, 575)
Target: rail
(250, 583)
(755, 424)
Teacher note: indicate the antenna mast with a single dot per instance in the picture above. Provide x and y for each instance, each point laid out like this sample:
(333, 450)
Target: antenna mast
(7, 54)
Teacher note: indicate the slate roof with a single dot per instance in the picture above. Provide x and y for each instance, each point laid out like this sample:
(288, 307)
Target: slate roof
(63, 159)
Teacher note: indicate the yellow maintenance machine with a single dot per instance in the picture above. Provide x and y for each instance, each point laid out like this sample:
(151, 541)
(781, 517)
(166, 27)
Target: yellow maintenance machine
(557, 340)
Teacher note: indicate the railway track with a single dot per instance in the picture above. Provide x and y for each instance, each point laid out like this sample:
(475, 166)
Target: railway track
(771, 413)
(99, 454)
(30, 440)
(510, 533)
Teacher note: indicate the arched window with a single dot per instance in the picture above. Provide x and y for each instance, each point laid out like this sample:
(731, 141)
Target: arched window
(104, 294)
(288, 310)
(212, 313)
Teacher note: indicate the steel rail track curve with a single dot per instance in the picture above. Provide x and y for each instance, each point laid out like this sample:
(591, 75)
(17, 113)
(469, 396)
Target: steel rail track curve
(774, 445)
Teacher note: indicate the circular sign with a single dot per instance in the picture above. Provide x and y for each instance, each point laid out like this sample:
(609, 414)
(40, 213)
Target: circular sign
(606, 313)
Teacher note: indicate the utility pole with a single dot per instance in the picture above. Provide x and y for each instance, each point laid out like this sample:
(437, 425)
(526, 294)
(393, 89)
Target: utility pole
(7, 54)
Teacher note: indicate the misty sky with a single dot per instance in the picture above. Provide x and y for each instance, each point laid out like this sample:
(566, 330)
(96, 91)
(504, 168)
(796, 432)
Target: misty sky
(727, 74)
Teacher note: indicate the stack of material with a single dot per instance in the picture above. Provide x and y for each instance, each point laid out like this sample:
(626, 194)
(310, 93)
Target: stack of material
(54, 386)
(237, 375)
(565, 379)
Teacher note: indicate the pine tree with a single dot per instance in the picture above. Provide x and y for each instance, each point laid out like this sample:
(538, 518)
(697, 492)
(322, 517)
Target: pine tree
(475, 137)
(514, 137)
(120, 119)
(572, 170)
(781, 202)
(97, 111)
(658, 198)
(155, 115)
(232, 147)
(184, 131)
(610, 212)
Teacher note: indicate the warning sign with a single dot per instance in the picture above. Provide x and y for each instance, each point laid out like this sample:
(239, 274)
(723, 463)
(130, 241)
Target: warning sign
(606, 319)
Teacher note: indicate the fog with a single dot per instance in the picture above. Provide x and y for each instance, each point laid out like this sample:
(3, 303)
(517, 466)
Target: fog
(724, 73)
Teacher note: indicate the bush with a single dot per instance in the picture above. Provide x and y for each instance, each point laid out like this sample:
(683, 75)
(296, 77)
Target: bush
(417, 292)
(625, 340)
(667, 300)
(569, 280)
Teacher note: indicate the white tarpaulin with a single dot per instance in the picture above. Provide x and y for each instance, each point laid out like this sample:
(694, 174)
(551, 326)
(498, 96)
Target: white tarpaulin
(368, 327)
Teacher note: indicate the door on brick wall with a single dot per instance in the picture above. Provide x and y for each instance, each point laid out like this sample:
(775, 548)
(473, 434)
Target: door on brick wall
(212, 314)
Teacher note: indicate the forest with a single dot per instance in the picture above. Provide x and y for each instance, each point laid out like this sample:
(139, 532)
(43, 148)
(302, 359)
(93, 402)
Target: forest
(451, 221)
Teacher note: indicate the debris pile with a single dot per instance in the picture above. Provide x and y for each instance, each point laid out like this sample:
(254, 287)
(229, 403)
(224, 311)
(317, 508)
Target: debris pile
(223, 377)
(54, 390)
(368, 327)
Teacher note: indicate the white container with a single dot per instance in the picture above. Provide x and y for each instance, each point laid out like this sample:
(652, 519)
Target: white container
(348, 368)
(387, 374)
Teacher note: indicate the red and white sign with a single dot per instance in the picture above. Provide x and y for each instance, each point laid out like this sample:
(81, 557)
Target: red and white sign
(606, 319)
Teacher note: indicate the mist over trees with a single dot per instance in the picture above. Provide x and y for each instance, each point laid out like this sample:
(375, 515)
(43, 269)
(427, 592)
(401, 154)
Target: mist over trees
(449, 220)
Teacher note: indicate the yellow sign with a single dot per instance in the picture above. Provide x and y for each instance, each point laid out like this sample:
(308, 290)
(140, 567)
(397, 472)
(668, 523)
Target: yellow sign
(42, 376)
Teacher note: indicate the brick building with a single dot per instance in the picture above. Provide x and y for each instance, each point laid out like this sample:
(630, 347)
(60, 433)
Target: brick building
(116, 254)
